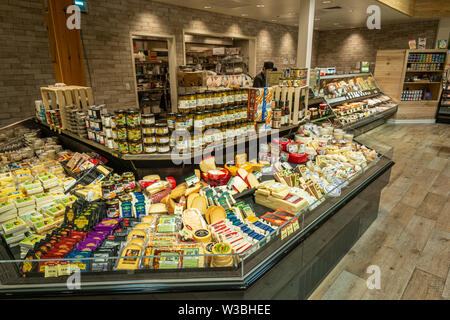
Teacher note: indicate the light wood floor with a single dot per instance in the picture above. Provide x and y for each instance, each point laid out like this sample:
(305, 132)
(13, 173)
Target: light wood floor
(410, 240)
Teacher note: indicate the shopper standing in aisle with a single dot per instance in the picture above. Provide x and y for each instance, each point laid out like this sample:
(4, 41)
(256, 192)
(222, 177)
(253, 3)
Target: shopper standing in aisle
(260, 79)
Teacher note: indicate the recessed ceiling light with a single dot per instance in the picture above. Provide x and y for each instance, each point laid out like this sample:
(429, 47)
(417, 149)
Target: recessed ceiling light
(244, 15)
(260, 5)
(273, 20)
(207, 7)
(326, 1)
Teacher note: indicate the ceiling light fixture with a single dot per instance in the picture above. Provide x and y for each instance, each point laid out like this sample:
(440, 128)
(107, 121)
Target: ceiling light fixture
(260, 6)
(244, 15)
(207, 7)
(326, 1)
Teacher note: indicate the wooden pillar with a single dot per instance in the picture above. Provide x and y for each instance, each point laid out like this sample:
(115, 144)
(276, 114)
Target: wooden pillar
(65, 44)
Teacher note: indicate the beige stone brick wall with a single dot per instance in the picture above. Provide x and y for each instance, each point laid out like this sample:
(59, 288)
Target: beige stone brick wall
(346, 47)
(25, 61)
(106, 35)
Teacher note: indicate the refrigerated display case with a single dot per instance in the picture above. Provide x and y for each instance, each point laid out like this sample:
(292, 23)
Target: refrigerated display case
(354, 101)
(288, 263)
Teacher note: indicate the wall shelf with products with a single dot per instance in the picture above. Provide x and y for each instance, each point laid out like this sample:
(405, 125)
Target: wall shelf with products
(414, 79)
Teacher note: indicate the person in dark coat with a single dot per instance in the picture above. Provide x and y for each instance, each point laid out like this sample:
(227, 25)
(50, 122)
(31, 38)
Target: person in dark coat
(260, 79)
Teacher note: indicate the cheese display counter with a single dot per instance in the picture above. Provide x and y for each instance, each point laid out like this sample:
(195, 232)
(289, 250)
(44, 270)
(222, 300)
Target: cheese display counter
(74, 224)
(352, 101)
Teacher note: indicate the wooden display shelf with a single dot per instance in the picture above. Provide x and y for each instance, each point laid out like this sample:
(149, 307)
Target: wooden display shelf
(421, 82)
(411, 71)
(391, 70)
(168, 156)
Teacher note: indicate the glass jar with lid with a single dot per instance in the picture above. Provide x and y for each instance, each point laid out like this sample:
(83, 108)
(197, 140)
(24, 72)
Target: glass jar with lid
(201, 101)
(148, 119)
(161, 128)
(189, 120)
(134, 133)
(209, 100)
(180, 121)
(224, 98)
(133, 118)
(183, 103)
(232, 97)
(216, 118)
(199, 120)
(208, 120)
(223, 116)
(135, 146)
(120, 117)
(171, 120)
(163, 139)
(149, 148)
(121, 132)
(216, 100)
(244, 95)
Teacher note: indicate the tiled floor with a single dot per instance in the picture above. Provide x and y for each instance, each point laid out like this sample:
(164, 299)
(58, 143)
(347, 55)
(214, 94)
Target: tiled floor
(410, 240)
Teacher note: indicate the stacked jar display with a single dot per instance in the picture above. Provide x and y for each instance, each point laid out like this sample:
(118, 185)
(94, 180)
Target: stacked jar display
(95, 124)
(127, 133)
(225, 111)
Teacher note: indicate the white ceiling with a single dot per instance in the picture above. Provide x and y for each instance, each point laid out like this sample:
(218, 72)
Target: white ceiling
(352, 15)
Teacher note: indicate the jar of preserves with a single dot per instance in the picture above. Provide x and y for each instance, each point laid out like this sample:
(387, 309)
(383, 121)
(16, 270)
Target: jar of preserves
(109, 143)
(106, 120)
(162, 139)
(161, 129)
(223, 117)
(216, 120)
(148, 139)
(180, 122)
(183, 103)
(209, 100)
(201, 102)
(121, 132)
(223, 98)
(230, 115)
(149, 148)
(216, 100)
(135, 146)
(189, 121)
(198, 121)
(148, 119)
(208, 120)
(116, 145)
(108, 132)
(163, 148)
(122, 146)
(133, 118)
(148, 129)
(244, 96)
(134, 133)
(171, 120)
(192, 98)
(113, 208)
(232, 97)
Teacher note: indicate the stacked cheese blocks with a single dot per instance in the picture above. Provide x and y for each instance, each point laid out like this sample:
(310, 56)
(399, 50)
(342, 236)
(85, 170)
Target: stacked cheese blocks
(14, 231)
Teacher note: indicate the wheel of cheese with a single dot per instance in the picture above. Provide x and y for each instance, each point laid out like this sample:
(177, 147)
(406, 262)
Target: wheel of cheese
(298, 158)
(202, 235)
(217, 214)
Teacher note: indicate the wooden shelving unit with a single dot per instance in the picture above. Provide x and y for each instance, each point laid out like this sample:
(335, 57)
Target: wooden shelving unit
(393, 74)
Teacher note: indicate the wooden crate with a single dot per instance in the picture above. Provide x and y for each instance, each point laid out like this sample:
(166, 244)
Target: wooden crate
(61, 98)
(293, 95)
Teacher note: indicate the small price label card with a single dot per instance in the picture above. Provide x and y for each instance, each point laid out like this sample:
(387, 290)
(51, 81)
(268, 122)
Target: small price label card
(192, 180)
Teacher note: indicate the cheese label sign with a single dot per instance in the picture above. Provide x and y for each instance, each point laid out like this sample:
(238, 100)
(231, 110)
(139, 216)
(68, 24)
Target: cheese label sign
(192, 180)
